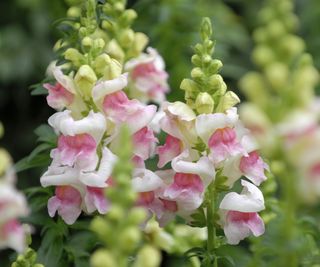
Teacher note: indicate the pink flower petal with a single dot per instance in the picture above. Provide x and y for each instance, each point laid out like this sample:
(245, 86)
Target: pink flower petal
(58, 97)
(95, 200)
(252, 166)
(144, 142)
(171, 149)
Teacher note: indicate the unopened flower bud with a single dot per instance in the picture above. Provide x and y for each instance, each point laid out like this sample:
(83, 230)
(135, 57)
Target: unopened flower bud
(139, 43)
(206, 29)
(114, 50)
(126, 37)
(74, 12)
(106, 25)
(118, 6)
(129, 238)
(277, 74)
(196, 60)
(189, 86)
(148, 256)
(102, 258)
(262, 55)
(197, 73)
(107, 8)
(215, 66)
(292, 45)
(116, 213)
(137, 215)
(227, 101)
(128, 17)
(276, 29)
(74, 56)
(99, 226)
(87, 41)
(204, 103)
(216, 83)
(85, 80)
(99, 43)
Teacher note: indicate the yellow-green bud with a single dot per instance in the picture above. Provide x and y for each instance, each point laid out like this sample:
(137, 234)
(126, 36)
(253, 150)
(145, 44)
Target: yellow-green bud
(129, 238)
(99, 43)
(101, 63)
(262, 55)
(292, 45)
(197, 73)
(204, 103)
(227, 101)
(102, 258)
(276, 29)
(115, 51)
(116, 213)
(196, 60)
(74, 56)
(137, 215)
(126, 37)
(215, 65)
(101, 227)
(189, 86)
(277, 74)
(85, 80)
(74, 12)
(148, 256)
(216, 83)
(128, 17)
(107, 8)
(255, 89)
(139, 43)
(87, 41)
(107, 25)
(119, 6)
(260, 35)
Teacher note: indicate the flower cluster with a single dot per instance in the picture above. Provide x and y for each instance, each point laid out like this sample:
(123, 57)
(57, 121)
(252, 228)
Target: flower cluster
(92, 105)
(283, 112)
(227, 150)
(12, 206)
(206, 145)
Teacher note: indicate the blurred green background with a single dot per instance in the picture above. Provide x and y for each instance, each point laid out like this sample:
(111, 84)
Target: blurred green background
(28, 33)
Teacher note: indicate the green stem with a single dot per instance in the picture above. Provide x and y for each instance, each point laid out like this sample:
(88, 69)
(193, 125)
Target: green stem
(211, 240)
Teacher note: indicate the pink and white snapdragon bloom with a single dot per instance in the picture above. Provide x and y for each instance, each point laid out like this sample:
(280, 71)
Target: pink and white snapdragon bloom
(83, 161)
(148, 78)
(78, 173)
(12, 206)
(240, 215)
(222, 133)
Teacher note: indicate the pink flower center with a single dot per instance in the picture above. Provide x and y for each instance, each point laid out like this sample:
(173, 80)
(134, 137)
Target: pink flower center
(80, 142)
(115, 100)
(237, 216)
(247, 162)
(9, 227)
(169, 205)
(187, 180)
(143, 70)
(146, 197)
(226, 136)
(68, 194)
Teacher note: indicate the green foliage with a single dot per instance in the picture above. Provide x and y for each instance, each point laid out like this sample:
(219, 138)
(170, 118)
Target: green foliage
(40, 156)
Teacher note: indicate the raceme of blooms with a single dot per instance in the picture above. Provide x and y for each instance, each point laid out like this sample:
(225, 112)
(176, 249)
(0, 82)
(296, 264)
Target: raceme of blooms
(13, 205)
(229, 148)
